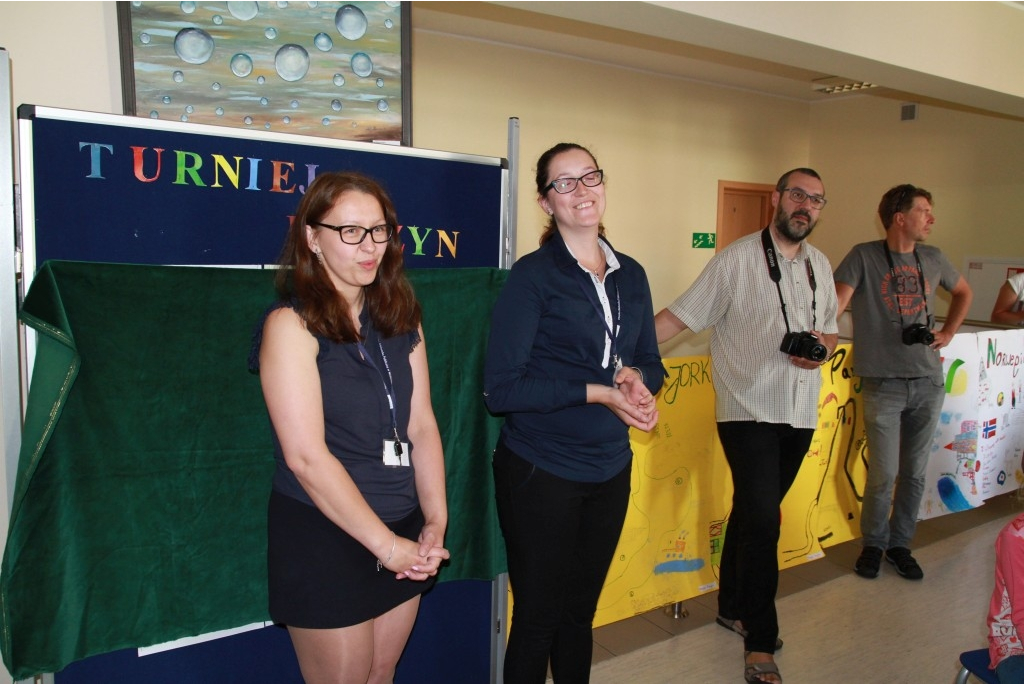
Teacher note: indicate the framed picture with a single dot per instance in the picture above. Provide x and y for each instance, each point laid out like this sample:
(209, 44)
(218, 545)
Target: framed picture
(331, 69)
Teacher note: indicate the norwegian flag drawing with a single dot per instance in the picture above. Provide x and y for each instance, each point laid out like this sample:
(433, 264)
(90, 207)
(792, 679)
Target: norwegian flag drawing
(989, 428)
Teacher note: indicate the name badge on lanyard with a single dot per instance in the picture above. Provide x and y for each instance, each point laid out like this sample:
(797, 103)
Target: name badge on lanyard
(395, 452)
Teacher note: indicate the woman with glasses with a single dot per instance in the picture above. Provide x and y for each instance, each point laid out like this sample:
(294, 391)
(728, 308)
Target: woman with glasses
(357, 514)
(572, 364)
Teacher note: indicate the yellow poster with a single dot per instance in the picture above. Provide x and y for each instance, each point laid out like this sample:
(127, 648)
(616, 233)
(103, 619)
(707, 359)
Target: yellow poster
(682, 490)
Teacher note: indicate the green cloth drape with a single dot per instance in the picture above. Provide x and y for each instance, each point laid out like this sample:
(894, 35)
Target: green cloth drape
(139, 513)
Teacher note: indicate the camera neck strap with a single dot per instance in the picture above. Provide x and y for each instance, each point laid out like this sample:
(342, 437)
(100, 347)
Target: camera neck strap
(920, 281)
(772, 258)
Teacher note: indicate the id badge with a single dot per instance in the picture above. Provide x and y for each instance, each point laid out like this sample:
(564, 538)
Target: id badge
(396, 453)
(616, 367)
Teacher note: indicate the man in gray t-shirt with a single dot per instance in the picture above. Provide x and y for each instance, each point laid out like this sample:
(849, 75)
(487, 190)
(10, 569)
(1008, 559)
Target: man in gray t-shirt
(891, 286)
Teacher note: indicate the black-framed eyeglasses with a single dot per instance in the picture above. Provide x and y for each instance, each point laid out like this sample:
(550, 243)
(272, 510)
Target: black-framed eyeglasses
(567, 185)
(353, 235)
(798, 195)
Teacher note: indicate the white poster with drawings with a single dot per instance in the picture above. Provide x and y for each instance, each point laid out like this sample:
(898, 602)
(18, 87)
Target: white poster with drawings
(1000, 410)
(952, 482)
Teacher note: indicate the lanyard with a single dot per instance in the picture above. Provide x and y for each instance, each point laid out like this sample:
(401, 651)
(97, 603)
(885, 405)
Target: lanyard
(776, 275)
(920, 280)
(616, 319)
(388, 389)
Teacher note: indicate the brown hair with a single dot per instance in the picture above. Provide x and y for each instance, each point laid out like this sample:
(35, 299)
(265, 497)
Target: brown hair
(899, 199)
(390, 300)
(543, 168)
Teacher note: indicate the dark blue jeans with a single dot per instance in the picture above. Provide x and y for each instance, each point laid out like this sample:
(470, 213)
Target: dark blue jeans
(764, 459)
(560, 536)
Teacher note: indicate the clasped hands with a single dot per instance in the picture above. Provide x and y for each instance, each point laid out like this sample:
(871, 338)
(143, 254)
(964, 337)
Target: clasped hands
(421, 559)
(631, 401)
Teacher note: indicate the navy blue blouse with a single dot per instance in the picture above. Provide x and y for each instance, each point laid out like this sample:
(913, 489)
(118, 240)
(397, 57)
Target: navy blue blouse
(547, 343)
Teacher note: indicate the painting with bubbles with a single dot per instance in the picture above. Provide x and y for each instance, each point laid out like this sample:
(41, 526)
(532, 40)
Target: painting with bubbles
(332, 69)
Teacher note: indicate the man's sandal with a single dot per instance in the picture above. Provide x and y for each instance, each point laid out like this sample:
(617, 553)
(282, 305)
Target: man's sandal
(752, 673)
(734, 626)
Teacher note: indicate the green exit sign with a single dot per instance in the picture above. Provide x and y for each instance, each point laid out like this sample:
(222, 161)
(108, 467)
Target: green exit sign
(703, 240)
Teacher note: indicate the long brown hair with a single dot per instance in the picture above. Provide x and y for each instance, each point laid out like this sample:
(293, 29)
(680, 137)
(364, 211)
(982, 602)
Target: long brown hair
(543, 169)
(390, 300)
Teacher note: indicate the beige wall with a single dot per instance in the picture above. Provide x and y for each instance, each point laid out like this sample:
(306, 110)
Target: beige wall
(664, 142)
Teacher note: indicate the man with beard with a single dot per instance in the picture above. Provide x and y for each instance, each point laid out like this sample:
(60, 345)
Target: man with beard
(771, 302)
(891, 284)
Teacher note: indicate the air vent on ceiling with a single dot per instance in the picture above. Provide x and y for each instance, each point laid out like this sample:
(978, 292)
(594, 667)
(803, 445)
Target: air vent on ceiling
(833, 85)
(908, 111)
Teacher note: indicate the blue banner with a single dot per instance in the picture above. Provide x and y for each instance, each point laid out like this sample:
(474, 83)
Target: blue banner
(123, 189)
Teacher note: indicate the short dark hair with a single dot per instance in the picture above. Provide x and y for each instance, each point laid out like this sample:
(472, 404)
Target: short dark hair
(784, 179)
(899, 199)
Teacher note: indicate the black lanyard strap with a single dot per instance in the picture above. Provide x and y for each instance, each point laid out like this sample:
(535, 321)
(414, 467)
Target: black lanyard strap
(920, 281)
(772, 258)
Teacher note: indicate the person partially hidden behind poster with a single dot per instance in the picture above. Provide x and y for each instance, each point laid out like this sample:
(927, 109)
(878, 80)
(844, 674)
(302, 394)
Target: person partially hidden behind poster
(770, 300)
(357, 516)
(572, 363)
(1009, 305)
(1006, 609)
(891, 286)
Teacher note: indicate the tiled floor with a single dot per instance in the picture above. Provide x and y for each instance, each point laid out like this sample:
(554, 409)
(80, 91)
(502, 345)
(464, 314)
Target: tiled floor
(837, 626)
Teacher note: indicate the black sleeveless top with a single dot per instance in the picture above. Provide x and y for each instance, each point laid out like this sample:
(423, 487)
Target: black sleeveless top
(357, 417)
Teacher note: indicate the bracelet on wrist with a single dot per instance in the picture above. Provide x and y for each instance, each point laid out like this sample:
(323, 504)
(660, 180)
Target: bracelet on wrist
(394, 542)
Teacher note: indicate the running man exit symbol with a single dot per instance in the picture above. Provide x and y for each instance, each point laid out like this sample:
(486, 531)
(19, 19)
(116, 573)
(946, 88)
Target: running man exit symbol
(703, 240)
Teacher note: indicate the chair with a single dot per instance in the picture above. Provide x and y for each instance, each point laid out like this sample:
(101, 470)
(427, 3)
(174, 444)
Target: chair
(975, 662)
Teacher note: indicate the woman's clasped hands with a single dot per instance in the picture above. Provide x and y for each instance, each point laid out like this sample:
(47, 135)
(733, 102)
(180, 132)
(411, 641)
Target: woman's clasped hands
(418, 560)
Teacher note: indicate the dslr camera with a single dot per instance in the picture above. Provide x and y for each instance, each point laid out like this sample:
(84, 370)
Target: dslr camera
(804, 345)
(918, 333)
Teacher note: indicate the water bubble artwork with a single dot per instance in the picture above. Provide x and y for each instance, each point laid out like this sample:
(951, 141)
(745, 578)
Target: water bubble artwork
(166, 99)
(291, 62)
(144, 38)
(193, 45)
(350, 22)
(336, 105)
(218, 20)
(264, 101)
(382, 105)
(339, 80)
(388, 24)
(243, 11)
(215, 86)
(270, 32)
(380, 83)
(241, 65)
(188, 7)
(178, 76)
(323, 42)
(153, 114)
(362, 65)
(287, 119)
(325, 121)
(189, 109)
(219, 111)
(261, 79)
(247, 120)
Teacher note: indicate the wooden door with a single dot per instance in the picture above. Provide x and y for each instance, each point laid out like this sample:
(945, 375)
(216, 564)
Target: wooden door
(742, 208)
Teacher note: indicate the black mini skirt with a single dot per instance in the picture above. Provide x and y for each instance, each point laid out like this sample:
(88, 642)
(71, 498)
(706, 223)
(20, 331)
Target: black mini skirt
(321, 577)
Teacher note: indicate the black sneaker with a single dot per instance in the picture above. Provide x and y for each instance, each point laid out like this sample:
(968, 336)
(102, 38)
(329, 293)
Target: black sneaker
(906, 565)
(868, 562)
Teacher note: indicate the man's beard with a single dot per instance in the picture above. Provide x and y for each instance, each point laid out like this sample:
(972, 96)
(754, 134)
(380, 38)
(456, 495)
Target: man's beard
(785, 228)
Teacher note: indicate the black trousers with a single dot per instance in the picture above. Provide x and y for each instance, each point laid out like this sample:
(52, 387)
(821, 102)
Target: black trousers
(560, 536)
(765, 459)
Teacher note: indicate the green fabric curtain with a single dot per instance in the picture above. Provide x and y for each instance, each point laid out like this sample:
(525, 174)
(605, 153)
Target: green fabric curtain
(139, 513)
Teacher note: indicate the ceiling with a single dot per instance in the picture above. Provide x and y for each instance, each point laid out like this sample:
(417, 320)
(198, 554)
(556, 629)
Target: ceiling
(657, 38)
